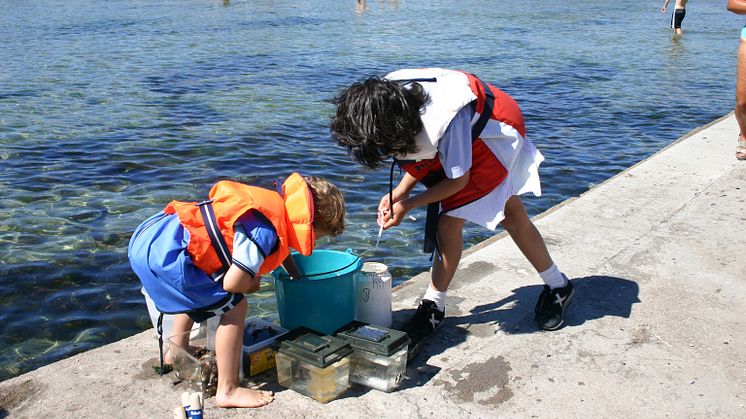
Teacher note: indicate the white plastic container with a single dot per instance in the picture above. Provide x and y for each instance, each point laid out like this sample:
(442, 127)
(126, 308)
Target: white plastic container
(168, 319)
(374, 295)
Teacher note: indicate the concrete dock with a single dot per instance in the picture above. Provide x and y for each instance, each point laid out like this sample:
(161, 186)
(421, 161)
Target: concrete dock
(657, 327)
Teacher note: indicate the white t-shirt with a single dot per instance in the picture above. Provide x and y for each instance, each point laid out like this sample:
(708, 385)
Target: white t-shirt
(454, 148)
(254, 238)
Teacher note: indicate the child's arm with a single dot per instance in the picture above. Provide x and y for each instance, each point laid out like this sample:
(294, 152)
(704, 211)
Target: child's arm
(253, 238)
(737, 6)
(237, 280)
(292, 269)
(665, 4)
(454, 152)
(437, 192)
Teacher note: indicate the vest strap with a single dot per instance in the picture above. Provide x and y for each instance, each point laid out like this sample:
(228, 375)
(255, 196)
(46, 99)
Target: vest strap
(421, 80)
(216, 237)
(489, 105)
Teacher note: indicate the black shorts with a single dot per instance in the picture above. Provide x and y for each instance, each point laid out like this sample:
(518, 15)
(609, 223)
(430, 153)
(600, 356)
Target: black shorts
(223, 307)
(677, 17)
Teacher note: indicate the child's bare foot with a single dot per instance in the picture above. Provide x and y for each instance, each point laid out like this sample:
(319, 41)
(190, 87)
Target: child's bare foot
(168, 359)
(244, 397)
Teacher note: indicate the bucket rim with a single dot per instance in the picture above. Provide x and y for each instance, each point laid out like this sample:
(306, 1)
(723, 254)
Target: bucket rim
(354, 261)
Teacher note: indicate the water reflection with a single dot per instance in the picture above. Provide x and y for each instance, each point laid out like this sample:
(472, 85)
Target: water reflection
(677, 48)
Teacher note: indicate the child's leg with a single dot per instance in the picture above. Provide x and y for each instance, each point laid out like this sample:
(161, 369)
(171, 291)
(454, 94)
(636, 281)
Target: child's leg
(741, 98)
(228, 350)
(181, 324)
(450, 246)
(431, 311)
(445, 262)
(558, 290)
(525, 234)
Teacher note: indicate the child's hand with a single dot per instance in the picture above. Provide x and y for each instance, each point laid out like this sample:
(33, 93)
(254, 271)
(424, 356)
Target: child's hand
(383, 208)
(388, 221)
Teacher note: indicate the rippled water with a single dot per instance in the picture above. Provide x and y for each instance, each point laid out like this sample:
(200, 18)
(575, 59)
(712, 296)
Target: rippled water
(108, 110)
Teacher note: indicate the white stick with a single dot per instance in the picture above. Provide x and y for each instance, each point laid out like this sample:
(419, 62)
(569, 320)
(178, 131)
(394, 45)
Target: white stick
(380, 231)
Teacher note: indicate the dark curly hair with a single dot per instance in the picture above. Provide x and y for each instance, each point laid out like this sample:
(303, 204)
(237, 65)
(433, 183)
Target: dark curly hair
(377, 119)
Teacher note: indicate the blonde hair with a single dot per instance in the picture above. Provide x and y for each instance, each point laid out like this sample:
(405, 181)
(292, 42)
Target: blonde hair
(328, 206)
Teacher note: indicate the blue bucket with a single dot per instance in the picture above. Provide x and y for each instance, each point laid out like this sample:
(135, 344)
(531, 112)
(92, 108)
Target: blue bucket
(324, 298)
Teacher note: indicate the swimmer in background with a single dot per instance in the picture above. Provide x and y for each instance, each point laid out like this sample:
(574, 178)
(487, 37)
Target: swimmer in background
(678, 14)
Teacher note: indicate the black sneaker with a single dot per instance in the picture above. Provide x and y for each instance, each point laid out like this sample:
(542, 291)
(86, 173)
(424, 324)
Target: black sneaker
(422, 324)
(550, 309)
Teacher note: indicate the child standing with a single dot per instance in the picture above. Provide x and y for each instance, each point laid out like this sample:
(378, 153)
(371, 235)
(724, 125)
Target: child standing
(465, 141)
(198, 259)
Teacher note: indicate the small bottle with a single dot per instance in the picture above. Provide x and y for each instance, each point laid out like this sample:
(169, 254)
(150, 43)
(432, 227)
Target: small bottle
(185, 403)
(179, 412)
(195, 406)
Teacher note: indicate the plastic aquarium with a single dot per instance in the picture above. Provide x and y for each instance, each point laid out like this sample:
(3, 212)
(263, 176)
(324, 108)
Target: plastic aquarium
(195, 364)
(259, 335)
(314, 365)
(379, 359)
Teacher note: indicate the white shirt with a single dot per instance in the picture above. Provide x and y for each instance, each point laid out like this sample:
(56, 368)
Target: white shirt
(454, 148)
(254, 238)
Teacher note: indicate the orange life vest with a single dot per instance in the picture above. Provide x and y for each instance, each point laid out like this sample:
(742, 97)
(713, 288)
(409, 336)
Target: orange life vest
(291, 214)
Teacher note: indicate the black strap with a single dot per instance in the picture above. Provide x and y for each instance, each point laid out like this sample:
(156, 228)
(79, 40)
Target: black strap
(391, 187)
(489, 104)
(216, 237)
(159, 329)
(431, 227)
(421, 80)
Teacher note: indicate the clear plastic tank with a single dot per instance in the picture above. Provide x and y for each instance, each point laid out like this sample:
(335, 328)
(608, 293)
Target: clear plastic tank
(379, 357)
(314, 365)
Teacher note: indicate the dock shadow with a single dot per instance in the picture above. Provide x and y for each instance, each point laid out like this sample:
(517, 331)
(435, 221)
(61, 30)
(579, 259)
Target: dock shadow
(596, 297)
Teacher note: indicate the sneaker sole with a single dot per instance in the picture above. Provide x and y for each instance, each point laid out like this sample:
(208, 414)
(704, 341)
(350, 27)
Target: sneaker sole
(562, 318)
(416, 346)
(414, 350)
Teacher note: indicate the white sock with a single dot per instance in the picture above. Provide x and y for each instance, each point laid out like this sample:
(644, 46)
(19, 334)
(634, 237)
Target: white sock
(553, 277)
(436, 296)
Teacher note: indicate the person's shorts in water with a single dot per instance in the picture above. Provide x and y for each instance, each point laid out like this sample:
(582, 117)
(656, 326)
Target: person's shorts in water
(677, 18)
